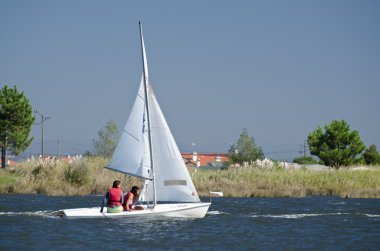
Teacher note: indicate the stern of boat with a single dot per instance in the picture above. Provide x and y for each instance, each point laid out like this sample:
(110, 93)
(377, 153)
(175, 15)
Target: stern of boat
(188, 210)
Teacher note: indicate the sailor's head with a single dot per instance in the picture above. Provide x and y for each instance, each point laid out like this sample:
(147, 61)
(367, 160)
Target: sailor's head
(135, 189)
(116, 184)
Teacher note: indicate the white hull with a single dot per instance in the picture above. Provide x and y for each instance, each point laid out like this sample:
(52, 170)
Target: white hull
(190, 210)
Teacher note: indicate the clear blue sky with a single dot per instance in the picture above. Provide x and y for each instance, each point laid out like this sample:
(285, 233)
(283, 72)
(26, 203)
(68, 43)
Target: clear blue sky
(277, 68)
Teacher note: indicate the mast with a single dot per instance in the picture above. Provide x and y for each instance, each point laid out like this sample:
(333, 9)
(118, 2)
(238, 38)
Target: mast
(147, 111)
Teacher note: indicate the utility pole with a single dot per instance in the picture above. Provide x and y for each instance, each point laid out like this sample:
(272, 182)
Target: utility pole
(304, 148)
(303, 152)
(59, 149)
(43, 119)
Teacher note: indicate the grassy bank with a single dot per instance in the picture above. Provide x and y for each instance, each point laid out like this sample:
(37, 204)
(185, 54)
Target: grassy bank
(253, 182)
(81, 177)
(87, 176)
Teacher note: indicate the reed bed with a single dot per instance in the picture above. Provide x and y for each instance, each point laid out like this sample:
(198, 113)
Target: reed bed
(256, 182)
(80, 177)
(88, 176)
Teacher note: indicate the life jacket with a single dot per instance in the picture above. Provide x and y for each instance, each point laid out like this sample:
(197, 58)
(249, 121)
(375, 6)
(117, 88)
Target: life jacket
(131, 203)
(115, 197)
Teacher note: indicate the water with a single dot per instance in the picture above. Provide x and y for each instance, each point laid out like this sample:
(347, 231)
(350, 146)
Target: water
(28, 222)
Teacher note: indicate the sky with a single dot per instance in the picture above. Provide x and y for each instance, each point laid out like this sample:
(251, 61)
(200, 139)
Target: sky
(278, 68)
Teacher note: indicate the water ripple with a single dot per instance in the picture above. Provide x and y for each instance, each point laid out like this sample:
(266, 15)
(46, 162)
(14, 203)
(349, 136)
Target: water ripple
(295, 216)
(216, 212)
(44, 214)
(372, 215)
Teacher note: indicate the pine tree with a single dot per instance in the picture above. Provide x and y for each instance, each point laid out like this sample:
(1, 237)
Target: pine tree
(336, 144)
(16, 120)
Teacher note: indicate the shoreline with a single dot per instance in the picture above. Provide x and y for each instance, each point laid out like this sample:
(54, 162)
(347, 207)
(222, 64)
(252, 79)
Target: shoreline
(88, 177)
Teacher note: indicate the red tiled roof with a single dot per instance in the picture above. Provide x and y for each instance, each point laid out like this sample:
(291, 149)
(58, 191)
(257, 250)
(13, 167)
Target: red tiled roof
(10, 163)
(206, 158)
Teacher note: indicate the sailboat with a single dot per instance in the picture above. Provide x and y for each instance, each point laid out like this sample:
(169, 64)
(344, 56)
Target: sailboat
(147, 150)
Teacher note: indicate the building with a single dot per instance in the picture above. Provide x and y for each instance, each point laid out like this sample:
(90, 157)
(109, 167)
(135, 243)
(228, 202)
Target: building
(9, 162)
(204, 159)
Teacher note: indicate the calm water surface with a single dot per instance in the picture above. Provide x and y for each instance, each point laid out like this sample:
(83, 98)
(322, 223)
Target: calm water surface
(28, 222)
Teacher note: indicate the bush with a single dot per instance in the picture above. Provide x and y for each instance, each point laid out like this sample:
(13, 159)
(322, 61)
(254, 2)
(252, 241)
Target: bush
(77, 175)
(371, 156)
(305, 160)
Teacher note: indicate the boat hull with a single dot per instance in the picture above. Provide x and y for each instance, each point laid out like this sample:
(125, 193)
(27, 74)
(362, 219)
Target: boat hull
(189, 210)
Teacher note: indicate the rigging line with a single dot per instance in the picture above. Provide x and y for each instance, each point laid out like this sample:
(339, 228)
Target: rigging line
(75, 137)
(284, 151)
(209, 140)
(61, 141)
(77, 125)
(72, 143)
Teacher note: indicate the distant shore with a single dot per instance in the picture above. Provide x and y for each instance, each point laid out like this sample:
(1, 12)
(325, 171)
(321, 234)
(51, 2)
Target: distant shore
(87, 176)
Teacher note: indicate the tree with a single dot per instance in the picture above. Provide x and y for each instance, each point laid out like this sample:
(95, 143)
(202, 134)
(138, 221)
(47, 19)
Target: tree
(336, 144)
(371, 156)
(107, 139)
(16, 120)
(244, 150)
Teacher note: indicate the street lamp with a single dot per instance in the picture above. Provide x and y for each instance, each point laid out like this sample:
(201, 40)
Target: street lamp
(43, 119)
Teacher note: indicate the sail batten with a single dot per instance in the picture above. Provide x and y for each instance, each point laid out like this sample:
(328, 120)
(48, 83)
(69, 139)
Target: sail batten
(127, 173)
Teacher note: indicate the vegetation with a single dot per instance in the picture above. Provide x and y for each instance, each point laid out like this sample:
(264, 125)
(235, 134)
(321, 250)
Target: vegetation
(305, 160)
(371, 156)
(244, 150)
(336, 144)
(279, 182)
(87, 176)
(107, 139)
(81, 177)
(16, 120)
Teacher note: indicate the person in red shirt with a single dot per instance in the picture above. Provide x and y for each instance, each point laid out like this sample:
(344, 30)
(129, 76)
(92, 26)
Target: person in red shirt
(130, 199)
(114, 198)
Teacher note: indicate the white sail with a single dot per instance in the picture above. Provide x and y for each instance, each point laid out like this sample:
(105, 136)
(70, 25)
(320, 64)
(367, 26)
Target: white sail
(131, 155)
(173, 182)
